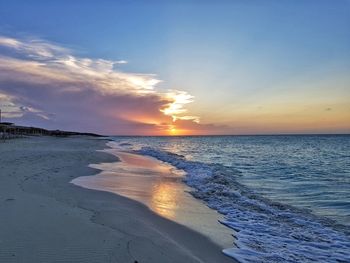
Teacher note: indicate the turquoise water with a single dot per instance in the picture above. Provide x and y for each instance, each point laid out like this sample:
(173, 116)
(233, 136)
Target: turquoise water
(289, 194)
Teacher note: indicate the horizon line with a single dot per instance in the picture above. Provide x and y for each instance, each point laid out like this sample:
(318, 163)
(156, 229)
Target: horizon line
(217, 135)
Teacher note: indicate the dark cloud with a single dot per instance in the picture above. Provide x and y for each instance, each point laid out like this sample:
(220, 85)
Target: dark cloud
(47, 86)
(42, 84)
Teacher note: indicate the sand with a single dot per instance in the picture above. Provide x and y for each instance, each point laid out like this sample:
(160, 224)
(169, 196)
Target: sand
(160, 187)
(44, 218)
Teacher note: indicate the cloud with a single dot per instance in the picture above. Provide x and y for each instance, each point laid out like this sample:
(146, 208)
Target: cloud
(177, 106)
(33, 48)
(8, 108)
(42, 83)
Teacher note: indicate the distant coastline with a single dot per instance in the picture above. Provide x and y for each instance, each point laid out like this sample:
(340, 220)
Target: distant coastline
(9, 130)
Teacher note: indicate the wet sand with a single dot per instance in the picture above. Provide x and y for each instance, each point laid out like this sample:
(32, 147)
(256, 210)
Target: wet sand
(159, 186)
(44, 218)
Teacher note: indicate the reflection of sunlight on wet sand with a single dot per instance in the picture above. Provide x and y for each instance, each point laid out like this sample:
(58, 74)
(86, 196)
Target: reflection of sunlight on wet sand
(158, 185)
(164, 200)
(151, 179)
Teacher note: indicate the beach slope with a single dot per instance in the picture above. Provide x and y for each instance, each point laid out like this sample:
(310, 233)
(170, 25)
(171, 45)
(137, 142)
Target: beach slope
(44, 218)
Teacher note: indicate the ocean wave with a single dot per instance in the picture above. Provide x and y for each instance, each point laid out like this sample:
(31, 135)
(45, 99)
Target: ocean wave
(265, 231)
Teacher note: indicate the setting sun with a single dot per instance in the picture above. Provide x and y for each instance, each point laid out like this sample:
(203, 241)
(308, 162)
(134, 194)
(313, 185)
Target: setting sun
(173, 131)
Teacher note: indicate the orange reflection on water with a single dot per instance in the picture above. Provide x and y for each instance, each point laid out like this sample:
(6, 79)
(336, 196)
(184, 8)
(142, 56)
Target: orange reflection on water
(164, 199)
(142, 178)
(157, 185)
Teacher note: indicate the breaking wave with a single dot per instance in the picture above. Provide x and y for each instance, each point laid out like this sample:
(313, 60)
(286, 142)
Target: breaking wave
(265, 231)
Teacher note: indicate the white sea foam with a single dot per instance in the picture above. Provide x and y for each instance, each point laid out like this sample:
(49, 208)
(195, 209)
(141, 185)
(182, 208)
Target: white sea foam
(265, 231)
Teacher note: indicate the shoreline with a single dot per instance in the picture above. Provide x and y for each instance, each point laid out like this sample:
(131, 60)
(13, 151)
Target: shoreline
(45, 218)
(161, 188)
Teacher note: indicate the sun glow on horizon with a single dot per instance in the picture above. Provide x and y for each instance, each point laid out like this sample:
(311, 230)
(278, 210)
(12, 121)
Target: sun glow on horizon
(179, 131)
(173, 131)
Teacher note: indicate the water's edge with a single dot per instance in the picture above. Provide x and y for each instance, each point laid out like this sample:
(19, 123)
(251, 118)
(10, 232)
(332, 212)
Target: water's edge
(266, 231)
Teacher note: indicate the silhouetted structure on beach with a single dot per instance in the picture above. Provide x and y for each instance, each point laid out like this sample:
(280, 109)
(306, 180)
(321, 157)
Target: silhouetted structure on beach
(8, 131)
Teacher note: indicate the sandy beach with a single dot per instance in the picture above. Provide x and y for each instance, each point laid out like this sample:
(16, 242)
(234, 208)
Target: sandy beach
(160, 186)
(45, 218)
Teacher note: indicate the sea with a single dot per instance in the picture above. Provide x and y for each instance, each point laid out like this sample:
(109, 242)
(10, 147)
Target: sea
(286, 198)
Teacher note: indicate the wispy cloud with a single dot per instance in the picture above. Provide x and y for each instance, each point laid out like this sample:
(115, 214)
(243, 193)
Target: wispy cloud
(43, 62)
(8, 108)
(43, 81)
(176, 108)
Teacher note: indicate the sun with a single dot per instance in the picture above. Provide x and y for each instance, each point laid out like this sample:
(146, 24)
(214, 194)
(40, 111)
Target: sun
(177, 131)
(172, 130)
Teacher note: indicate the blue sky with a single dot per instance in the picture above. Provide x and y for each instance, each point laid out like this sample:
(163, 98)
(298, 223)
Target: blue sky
(234, 57)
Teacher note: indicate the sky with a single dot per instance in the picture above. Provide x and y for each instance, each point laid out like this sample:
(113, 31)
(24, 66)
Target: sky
(177, 67)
